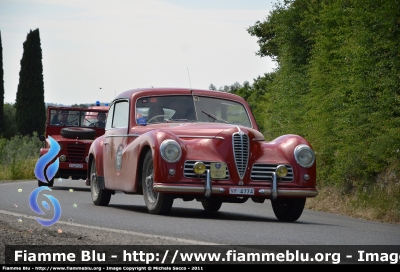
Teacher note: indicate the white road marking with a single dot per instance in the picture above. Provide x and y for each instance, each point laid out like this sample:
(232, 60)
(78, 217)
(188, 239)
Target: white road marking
(193, 242)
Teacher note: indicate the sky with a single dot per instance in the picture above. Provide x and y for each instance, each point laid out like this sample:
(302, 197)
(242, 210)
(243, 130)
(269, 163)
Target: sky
(95, 49)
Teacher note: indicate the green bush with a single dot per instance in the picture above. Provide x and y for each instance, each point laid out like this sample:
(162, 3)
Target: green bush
(18, 157)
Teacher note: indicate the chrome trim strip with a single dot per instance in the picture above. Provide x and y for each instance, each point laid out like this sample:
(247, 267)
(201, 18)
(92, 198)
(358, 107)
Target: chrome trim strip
(122, 135)
(263, 172)
(186, 189)
(180, 136)
(274, 192)
(201, 137)
(188, 170)
(207, 187)
(241, 151)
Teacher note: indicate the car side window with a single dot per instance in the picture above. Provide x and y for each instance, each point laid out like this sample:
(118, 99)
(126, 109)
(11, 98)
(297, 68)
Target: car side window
(121, 114)
(110, 117)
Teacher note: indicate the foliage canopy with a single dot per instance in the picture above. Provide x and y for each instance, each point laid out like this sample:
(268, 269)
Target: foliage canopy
(337, 84)
(30, 112)
(2, 127)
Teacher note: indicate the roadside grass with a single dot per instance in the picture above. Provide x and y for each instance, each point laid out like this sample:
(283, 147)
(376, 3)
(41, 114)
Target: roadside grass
(377, 203)
(18, 170)
(18, 157)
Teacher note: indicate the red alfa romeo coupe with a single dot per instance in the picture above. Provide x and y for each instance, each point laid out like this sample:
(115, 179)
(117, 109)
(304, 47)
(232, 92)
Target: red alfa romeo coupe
(203, 145)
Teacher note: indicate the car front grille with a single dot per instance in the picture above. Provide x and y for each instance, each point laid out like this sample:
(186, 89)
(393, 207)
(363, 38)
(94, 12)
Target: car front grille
(188, 170)
(263, 172)
(76, 153)
(241, 151)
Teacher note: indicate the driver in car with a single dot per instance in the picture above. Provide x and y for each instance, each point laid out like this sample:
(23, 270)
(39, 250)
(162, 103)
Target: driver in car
(156, 114)
(61, 118)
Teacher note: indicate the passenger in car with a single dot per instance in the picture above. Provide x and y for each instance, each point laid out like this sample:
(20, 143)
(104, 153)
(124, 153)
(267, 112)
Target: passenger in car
(101, 120)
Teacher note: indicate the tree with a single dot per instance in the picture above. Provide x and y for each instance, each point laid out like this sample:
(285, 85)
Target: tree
(30, 112)
(2, 128)
(337, 84)
(10, 128)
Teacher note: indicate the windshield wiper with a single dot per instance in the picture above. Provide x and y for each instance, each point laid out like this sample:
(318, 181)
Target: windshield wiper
(215, 117)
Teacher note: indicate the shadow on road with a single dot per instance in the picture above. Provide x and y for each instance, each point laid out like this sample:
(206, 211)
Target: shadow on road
(190, 213)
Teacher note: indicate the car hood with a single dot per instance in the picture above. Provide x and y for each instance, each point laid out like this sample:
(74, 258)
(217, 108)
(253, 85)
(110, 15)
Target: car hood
(60, 138)
(206, 130)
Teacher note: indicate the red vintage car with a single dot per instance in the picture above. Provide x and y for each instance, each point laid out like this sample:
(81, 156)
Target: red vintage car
(203, 145)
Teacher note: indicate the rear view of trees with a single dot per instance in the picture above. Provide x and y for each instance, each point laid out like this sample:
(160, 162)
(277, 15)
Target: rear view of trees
(338, 84)
(30, 107)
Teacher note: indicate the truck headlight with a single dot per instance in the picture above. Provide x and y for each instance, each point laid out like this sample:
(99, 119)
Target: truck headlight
(63, 158)
(304, 155)
(170, 151)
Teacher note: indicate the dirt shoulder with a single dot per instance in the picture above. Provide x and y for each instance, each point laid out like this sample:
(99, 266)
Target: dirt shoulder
(25, 230)
(16, 230)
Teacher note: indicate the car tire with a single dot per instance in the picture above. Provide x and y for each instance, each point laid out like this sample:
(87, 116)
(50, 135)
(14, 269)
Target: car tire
(100, 197)
(49, 184)
(288, 209)
(211, 205)
(156, 203)
(81, 133)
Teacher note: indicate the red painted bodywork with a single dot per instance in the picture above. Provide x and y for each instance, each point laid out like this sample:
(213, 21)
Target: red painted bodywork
(64, 169)
(211, 142)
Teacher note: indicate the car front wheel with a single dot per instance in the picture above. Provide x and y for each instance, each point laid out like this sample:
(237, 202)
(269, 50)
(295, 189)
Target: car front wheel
(156, 203)
(288, 209)
(100, 197)
(211, 205)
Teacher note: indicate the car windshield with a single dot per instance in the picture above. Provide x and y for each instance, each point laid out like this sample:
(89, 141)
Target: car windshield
(78, 118)
(186, 108)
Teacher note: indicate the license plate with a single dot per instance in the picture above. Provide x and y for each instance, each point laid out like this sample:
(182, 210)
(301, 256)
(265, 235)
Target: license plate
(75, 165)
(241, 191)
(218, 170)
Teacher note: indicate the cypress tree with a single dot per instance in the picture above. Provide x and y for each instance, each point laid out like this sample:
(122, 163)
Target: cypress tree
(30, 112)
(2, 128)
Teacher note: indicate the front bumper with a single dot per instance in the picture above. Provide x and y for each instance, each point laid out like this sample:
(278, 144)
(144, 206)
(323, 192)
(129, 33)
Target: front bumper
(208, 190)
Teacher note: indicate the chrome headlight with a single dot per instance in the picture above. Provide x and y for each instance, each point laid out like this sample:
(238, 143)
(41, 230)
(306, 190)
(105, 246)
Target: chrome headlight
(304, 155)
(170, 151)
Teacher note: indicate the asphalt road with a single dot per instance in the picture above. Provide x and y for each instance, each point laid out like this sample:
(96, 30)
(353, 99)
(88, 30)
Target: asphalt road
(235, 224)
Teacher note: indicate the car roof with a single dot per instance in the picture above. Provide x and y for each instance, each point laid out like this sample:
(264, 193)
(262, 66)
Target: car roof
(93, 108)
(177, 91)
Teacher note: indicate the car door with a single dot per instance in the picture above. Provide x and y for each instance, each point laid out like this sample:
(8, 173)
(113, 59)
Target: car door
(116, 137)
